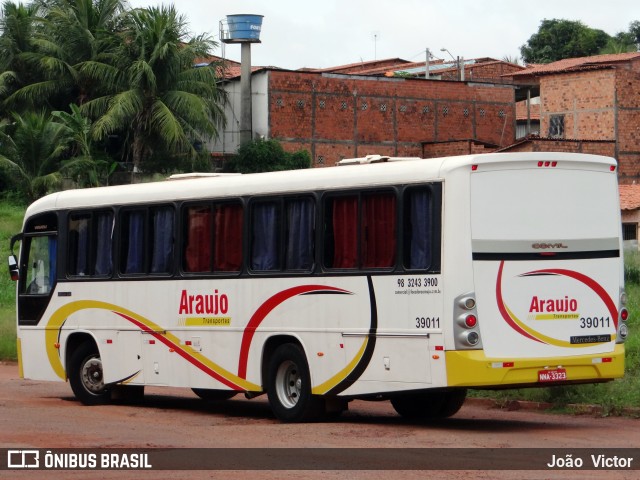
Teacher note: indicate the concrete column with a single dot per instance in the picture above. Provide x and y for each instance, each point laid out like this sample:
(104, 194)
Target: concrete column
(246, 127)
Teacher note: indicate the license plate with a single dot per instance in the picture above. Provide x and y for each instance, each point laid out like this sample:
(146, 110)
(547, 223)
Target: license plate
(556, 375)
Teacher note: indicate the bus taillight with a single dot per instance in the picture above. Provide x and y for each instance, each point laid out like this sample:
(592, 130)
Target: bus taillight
(470, 321)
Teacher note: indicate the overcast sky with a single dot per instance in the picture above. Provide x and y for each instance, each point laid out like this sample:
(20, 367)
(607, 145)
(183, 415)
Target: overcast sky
(325, 33)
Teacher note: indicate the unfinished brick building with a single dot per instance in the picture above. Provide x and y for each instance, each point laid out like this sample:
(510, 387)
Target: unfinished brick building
(590, 105)
(335, 115)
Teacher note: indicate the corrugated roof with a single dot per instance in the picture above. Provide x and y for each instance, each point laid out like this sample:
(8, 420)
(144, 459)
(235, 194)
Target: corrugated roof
(629, 197)
(581, 63)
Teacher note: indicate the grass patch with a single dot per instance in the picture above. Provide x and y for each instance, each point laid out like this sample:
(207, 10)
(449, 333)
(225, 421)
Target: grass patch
(10, 223)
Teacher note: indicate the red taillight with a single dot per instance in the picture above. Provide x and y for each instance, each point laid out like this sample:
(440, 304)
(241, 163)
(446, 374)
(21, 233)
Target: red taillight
(470, 321)
(474, 168)
(624, 314)
(547, 164)
(612, 168)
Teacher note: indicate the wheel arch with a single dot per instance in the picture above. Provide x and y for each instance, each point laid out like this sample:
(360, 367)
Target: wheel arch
(73, 342)
(270, 346)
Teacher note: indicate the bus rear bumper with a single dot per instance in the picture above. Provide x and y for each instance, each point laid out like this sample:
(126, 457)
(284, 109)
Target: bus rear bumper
(474, 369)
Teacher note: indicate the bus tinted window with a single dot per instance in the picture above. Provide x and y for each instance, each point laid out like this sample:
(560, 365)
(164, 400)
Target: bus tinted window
(418, 229)
(213, 238)
(162, 240)
(378, 230)
(300, 234)
(90, 244)
(265, 236)
(228, 234)
(146, 240)
(132, 241)
(360, 231)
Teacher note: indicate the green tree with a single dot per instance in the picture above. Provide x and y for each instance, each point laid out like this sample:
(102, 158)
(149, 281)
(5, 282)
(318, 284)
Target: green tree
(17, 47)
(71, 35)
(267, 156)
(30, 150)
(85, 166)
(560, 39)
(157, 99)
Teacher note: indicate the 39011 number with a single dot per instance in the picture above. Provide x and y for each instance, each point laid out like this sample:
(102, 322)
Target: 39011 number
(427, 322)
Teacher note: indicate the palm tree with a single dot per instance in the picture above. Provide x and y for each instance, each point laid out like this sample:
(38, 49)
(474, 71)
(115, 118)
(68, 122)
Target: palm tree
(17, 47)
(30, 149)
(158, 99)
(69, 35)
(85, 166)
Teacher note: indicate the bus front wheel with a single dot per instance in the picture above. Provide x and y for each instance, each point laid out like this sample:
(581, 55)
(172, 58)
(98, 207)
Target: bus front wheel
(289, 386)
(86, 375)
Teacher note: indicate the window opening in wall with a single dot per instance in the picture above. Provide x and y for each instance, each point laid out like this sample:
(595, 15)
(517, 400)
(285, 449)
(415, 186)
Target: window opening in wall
(629, 231)
(556, 126)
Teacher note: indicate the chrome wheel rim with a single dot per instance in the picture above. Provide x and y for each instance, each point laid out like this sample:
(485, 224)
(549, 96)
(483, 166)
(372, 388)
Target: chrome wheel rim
(91, 375)
(288, 384)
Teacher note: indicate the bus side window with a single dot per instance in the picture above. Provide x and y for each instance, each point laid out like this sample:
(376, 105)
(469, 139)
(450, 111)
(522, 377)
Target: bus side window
(418, 229)
(378, 230)
(78, 256)
(132, 241)
(104, 243)
(162, 240)
(198, 240)
(90, 244)
(341, 235)
(265, 236)
(300, 234)
(228, 237)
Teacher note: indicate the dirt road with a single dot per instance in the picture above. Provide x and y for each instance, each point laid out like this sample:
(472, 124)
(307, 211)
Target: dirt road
(45, 415)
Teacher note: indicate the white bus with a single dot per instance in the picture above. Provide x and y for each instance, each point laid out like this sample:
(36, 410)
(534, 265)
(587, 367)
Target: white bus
(403, 279)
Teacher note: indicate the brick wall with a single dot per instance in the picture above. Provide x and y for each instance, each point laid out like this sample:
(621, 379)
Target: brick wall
(587, 101)
(339, 116)
(461, 147)
(598, 105)
(606, 148)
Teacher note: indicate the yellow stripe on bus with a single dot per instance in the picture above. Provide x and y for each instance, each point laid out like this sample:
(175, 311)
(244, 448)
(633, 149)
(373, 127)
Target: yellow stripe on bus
(342, 374)
(59, 317)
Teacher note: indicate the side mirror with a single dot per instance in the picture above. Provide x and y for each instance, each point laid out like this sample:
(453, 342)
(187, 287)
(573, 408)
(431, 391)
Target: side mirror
(13, 268)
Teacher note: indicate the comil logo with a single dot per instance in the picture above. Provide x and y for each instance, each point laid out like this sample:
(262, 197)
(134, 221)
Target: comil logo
(23, 459)
(548, 246)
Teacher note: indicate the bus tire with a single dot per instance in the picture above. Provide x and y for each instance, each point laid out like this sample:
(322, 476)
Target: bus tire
(86, 375)
(429, 405)
(289, 386)
(214, 395)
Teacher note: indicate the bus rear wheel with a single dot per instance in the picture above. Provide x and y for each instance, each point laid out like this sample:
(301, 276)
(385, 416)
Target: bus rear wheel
(430, 405)
(86, 375)
(289, 386)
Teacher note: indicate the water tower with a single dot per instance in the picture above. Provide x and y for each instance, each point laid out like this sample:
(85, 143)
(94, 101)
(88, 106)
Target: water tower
(245, 30)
